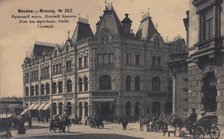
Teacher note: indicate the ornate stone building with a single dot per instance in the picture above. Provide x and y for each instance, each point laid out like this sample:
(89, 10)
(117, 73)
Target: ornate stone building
(110, 72)
(205, 59)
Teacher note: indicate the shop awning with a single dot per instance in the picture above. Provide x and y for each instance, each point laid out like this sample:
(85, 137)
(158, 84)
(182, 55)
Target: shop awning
(25, 111)
(47, 106)
(35, 107)
(31, 106)
(103, 100)
(41, 106)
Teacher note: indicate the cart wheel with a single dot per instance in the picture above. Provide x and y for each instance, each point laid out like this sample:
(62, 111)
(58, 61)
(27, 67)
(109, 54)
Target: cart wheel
(199, 133)
(214, 132)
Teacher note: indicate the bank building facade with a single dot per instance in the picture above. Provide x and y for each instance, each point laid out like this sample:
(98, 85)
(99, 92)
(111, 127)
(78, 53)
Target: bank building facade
(110, 72)
(205, 59)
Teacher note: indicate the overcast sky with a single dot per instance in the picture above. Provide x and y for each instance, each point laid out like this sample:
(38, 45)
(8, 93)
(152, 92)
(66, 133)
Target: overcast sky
(17, 39)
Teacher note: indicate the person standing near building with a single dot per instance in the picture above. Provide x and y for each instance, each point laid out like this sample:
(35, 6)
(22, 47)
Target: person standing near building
(124, 123)
(193, 116)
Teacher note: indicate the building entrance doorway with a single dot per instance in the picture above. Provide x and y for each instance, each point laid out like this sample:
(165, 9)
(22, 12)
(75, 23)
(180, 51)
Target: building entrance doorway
(104, 109)
(209, 92)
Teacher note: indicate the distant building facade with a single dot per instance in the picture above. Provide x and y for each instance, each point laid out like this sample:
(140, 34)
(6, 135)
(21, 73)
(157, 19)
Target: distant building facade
(110, 72)
(205, 59)
(10, 106)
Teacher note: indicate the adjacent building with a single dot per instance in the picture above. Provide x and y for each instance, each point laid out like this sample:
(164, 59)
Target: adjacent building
(113, 71)
(205, 59)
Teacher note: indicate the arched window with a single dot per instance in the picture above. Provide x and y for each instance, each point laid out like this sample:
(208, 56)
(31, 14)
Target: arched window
(105, 82)
(60, 87)
(80, 109)
(69, 108)
(60, 106)
(37, 90)
(156, 84)
(32, 91)
(128, 108)
(85, 83)
(54, 88)
(69, 86)
(67, 48)
(54, 108)
(128, 83)
(27, 91)
(104, 39)
(86, 109)
(80, 83)
(137, 83)
(42, 89)
(47, 89)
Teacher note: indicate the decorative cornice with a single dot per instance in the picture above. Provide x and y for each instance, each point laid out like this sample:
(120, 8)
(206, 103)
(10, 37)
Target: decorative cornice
(198, 3)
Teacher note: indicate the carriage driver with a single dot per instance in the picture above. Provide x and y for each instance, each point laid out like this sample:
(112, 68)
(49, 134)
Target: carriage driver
(193, 116)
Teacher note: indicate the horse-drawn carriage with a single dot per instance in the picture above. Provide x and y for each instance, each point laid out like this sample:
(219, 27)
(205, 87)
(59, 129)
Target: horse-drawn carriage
(96, 122)
(60, 123)
(207, 125)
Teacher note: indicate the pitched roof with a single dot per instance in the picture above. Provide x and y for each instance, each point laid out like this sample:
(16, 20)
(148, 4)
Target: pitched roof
(109, 21)
(42, 47)
(146, 29)
(82, 31)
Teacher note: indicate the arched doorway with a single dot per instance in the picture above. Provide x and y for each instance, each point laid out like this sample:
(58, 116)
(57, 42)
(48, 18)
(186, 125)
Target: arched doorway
(69, 108)
(86, 108)
(155, 108)
(209, 92)
(60, 106)
(80, 109)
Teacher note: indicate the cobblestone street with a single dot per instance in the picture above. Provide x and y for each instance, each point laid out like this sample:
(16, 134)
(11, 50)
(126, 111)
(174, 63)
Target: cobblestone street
(111, 131)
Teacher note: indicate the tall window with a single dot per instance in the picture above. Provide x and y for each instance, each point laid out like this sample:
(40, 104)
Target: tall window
(85, 61)
(80, 62)
(37, 90)
(68, 65)
(111, 58)
(137, 59)
(85, 83)
(69, 86)
(156, 84)
(105, 82)
(137, 83)
(60, 87)
(158, 61)
(128, 83)
(128, 58)
(80, 83)
(42, 89)
(206, 24)
(100, 59)
(54, 88)
(32, 91)
(27, 91)
(47, 88)
(105, 59)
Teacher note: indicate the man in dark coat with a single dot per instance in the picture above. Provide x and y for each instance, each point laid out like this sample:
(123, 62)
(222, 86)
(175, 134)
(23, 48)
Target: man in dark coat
(193, 117)
(124, 123)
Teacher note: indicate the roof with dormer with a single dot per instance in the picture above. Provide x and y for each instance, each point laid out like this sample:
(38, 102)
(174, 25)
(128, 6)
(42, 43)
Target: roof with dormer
(146, 28)
(82, 31)
(109, 21)
(41, 48)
